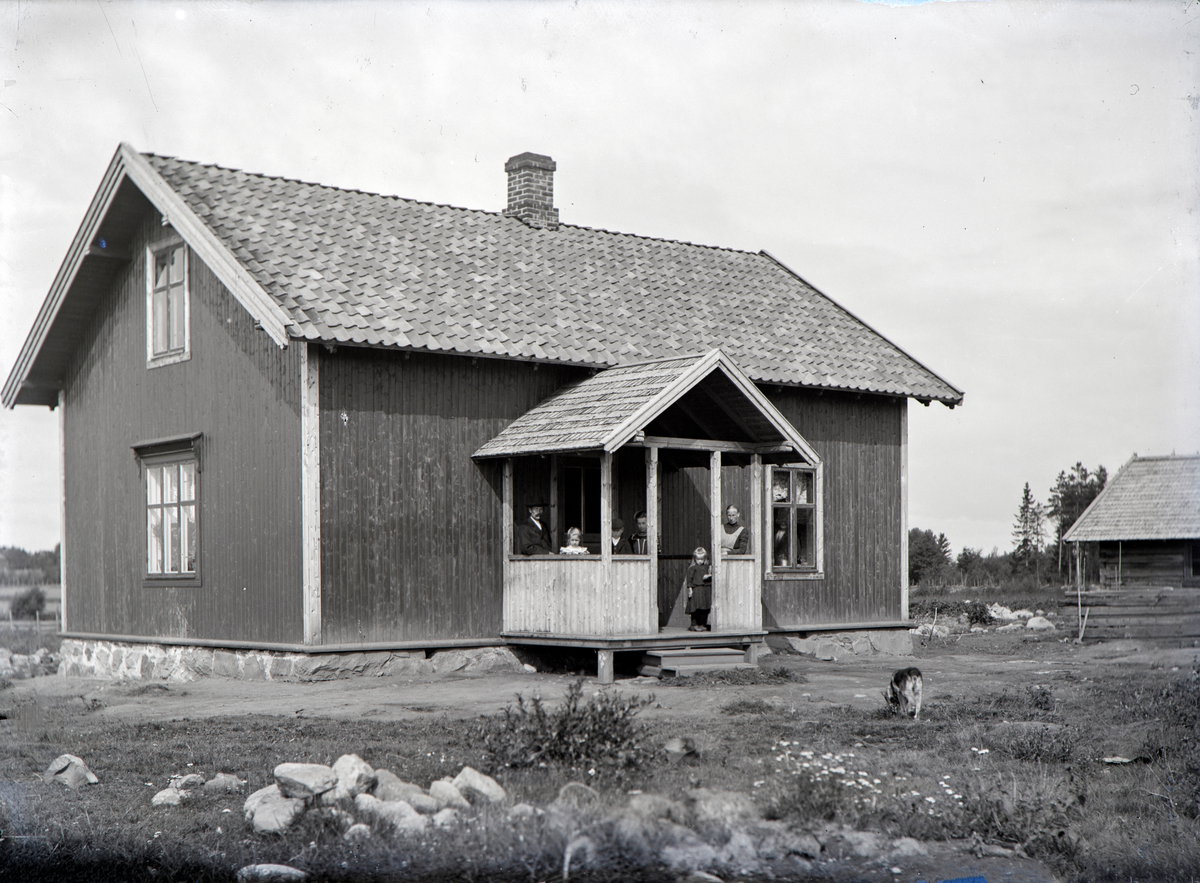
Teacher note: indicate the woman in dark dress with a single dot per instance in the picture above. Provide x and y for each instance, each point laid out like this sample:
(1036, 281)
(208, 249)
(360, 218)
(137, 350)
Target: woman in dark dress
(699, 585)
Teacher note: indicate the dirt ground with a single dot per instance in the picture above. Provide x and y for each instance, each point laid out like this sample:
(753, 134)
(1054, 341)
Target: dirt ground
(951, 668)
(957, 668)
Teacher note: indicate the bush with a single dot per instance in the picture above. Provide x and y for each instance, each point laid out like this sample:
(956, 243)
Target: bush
(29, 604)
(977, 613)
(598, 733)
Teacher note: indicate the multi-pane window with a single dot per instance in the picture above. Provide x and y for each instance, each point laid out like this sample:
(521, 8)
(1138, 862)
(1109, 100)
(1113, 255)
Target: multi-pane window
(171, 534)
(793, 518)
(167, 307)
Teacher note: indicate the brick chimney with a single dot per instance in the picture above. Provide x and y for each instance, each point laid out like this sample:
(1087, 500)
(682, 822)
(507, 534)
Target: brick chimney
(531, 190)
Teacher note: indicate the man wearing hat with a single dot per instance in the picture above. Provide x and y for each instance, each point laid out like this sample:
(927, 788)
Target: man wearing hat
(533, 536)
(620, 542)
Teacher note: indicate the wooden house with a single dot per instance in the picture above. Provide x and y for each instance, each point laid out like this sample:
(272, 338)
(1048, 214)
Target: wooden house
(304, 418)
(1146, 526)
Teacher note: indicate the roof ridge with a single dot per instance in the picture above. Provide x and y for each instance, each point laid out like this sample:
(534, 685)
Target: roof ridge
(446, 205)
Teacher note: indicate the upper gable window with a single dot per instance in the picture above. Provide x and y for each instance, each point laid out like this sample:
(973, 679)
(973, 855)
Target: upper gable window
(168, 337)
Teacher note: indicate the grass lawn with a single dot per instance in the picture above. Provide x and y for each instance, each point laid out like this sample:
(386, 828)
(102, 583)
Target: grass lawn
(964, 770)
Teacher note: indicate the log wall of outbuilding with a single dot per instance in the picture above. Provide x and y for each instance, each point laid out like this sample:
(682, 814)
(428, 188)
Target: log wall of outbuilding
(242, 392)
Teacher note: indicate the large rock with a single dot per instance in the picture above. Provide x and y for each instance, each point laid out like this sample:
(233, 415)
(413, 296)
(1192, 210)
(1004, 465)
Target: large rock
(724, 807)
(354, 776)
(470, 780)
(167, 797)
(655, 806)
(389, 786)
(273, 873)
(397, 813)
(224, 783)
(70, 770)
(576, 795)
(305, 780)
(447, 795)
(1040, 624)
(270, 812)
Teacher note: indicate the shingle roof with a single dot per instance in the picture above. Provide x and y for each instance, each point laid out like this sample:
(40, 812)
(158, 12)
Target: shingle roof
(607, 409)
(1151, 498)
(359, 268)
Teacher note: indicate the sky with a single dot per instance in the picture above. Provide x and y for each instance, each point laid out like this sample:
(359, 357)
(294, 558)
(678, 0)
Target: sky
(1006, 190)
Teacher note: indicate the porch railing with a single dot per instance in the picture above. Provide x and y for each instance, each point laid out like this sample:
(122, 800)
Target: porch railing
(571, 597)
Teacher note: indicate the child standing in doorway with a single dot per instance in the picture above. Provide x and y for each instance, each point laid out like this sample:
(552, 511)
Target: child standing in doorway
(699, 587)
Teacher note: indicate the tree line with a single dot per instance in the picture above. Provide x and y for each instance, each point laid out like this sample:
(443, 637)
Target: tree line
(21, 568)
(1038, 553)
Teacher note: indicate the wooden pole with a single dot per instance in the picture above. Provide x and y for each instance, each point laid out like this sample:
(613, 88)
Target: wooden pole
(714, 491)
(506, 537)
(652, 533)
(555, 540)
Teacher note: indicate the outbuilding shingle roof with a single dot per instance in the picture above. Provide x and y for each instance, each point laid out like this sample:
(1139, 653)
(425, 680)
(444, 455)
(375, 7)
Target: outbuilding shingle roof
(1151, 498)
(360, 268)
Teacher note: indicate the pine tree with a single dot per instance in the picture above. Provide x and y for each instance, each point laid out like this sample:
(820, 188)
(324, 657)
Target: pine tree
(1073, 492)
(1029, 531)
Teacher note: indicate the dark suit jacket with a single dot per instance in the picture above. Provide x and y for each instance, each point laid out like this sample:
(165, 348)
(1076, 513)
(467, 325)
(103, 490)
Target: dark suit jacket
(623, 547)
(533, 541)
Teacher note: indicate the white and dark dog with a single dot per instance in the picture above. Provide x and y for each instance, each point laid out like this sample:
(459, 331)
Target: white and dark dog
(904, 692)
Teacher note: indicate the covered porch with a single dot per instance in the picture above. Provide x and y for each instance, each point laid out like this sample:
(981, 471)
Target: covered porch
(599, 450)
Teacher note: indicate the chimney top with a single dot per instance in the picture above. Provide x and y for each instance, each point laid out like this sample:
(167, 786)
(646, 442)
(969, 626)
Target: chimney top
(531, 190)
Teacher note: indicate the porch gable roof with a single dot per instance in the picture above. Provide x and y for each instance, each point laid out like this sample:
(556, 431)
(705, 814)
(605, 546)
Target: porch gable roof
(609, 409)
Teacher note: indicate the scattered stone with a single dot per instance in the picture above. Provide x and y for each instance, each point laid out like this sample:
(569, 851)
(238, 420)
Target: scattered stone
(167, 797)
(529, 668)
(447, 795)
(523, 811)
(724, 807)
(702, 877)
(389, 786)
(864, 844)
(224, 783)
(446, 818)
(470, 780)
(576, 795)
(1011, 627)
(1023, 614)
(1001, 613)
(928, 629)
(70, 770)
(651, 807)
(266, 872)
(270, 812)
(190, 782)
(304, 780)
(679, 748)
(903, 847)
(357, 833)
(1040, 624)
(354, 776)
(396, 813)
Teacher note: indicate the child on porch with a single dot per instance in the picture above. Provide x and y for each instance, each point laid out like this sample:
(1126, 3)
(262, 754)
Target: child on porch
(573, 546)
(699, 588)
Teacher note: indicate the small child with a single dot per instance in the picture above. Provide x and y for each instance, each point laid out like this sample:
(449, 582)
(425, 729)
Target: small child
(573, 547)
(699, 586)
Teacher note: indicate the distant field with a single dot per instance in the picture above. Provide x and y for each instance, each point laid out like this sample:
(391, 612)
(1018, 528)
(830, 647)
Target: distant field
(53, 598)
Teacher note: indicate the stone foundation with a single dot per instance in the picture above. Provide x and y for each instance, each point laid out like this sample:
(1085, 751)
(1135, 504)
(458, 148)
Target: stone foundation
(832, 646)
(109, 660)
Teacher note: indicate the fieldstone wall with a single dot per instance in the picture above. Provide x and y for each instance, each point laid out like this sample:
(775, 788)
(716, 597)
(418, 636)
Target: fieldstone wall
(832, 646)
(110, 660)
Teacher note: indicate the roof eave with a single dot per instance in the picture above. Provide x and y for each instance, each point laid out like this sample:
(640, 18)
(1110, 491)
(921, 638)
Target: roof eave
(128, 163)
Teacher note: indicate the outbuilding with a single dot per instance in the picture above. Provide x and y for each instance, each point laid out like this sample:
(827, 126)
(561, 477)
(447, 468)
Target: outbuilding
(297, 418)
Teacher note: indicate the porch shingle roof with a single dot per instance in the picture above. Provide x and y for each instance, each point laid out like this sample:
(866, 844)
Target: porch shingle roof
(1151, 498)
(581, 417)
(360, 268)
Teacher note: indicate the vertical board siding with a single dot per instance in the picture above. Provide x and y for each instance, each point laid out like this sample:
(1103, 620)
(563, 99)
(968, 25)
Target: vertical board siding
(243, 393)
(570, 597)
(410, 524)
(858, 439)
(736, 595)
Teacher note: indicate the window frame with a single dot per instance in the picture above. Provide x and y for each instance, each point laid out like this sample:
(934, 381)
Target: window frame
(817, 569)
(155, 454)
(170, 356)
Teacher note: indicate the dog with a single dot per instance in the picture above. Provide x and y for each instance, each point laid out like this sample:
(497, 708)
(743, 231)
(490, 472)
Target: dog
(904, 692)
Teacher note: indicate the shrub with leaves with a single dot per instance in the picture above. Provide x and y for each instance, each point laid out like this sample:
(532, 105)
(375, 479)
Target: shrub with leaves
(978, 614)
(29, 603)
(597, 734)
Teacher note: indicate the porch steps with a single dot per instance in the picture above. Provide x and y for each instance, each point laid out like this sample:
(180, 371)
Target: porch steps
(692, 660)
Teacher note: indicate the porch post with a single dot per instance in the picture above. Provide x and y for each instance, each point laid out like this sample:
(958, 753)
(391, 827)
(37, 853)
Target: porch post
(506, 534)
(714, 505)
(554, 500)
(652, 531)
(758, 525)
(604, 658)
